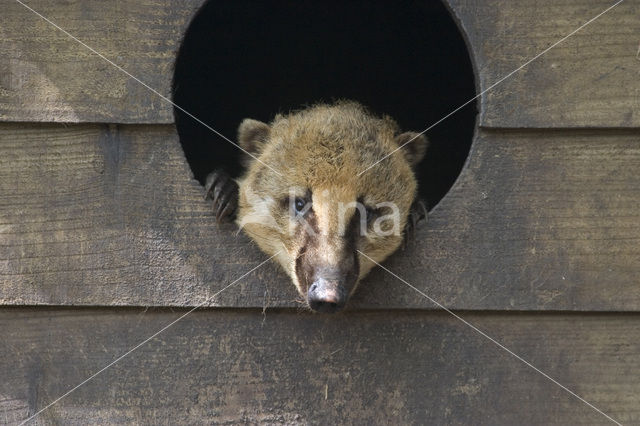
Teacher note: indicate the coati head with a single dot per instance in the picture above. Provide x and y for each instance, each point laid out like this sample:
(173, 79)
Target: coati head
(304, 197)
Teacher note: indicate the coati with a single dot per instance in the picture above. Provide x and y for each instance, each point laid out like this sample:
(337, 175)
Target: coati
(303, 195)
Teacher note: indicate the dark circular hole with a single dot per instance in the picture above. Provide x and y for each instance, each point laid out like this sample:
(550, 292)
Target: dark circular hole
(256, 59)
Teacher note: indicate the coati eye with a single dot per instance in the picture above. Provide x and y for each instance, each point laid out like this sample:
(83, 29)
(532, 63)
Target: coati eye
(299, 205)
(372, 213)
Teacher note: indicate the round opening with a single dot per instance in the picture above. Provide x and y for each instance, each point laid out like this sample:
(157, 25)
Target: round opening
(245, 59)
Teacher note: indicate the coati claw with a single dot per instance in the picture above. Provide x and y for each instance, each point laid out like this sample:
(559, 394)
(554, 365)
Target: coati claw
(417, 212)
(223, 190)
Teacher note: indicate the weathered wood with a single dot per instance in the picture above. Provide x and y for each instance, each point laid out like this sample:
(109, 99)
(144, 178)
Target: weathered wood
(108, 215)
(47, 76)
(95, 215)
(589, 80)
(230, 367)
(545, 220)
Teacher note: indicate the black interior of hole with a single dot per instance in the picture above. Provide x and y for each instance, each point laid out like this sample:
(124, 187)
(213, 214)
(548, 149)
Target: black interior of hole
(256, 59)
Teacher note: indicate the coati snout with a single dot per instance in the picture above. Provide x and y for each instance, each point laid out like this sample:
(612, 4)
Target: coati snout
(327, 281)
(307, 198)
(326, 295)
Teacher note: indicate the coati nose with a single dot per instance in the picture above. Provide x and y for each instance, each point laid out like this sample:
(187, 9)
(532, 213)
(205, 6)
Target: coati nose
(326, 296)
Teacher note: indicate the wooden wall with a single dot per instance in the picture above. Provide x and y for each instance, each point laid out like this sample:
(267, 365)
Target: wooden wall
(538, 242)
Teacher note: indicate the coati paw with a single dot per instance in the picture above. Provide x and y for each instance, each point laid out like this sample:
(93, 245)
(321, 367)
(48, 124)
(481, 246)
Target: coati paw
(223, 190)
(417, 212)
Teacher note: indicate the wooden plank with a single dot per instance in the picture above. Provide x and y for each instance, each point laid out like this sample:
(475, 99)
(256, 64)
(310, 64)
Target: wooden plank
(96, 215)
(46, 76)
(109, 215)
(589, 80)
(536, 220)
(226, 367)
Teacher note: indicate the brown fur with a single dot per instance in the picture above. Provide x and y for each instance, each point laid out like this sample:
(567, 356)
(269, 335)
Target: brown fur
(321, 150)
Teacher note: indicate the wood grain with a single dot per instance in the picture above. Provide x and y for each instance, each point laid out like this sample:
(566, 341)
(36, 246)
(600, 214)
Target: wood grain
(93, 214)
(590, 80)
(47, 76)
(225, 367)
(109, 215)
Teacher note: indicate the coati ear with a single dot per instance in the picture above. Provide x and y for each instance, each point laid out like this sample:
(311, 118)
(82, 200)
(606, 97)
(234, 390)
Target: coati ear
(253, 135)
(413, 145)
